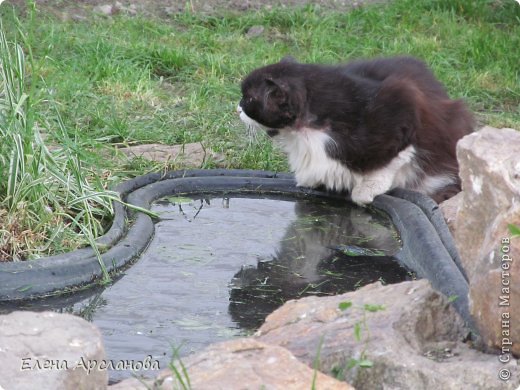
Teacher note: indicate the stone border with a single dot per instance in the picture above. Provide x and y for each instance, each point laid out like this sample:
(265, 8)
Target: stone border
(427, 244)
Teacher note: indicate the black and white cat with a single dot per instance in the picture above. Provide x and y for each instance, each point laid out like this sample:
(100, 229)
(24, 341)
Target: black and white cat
(366, 127)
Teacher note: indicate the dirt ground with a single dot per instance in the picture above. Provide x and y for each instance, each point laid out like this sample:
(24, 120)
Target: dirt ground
(79, 9)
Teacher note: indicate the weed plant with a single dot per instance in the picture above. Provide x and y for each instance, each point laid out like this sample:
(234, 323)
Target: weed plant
(49, 202)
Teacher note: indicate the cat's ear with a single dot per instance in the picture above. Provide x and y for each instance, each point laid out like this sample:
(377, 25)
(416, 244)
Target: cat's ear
(288, 60)
(277, 89)
(276, 83)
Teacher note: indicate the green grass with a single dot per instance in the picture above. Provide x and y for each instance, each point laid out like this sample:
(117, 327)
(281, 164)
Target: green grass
(125, 80)
(47, 202)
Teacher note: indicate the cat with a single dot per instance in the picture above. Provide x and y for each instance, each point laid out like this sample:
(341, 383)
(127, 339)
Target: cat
(365, 127)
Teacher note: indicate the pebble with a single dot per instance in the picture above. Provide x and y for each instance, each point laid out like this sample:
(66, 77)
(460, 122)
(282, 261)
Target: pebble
(255, 31)
(104, 9)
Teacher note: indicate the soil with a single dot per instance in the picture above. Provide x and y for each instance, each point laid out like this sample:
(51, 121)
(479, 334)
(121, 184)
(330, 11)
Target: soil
(82, 9)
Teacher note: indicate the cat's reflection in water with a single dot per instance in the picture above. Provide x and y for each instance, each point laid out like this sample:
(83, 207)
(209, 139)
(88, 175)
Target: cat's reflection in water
(325, 251)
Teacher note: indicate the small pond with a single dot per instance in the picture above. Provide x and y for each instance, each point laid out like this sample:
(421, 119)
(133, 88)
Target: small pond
(218, 266)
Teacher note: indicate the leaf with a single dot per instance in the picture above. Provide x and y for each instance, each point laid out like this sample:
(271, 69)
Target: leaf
(357, 331)
(352, 363)
(354, 251)
(365, 363)
(373, 308)
(514, 230)
(344, 305)
(452, 298)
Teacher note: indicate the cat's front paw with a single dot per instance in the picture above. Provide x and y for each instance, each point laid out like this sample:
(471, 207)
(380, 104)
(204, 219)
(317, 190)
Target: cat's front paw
(364, 195)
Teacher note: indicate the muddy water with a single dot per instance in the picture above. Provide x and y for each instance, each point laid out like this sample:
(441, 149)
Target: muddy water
(217, 266)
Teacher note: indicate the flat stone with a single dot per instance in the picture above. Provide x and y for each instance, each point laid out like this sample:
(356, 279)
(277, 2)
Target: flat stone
(489, 163)
(415, 342)
(192, 155)
(255, 31)
(41, 351)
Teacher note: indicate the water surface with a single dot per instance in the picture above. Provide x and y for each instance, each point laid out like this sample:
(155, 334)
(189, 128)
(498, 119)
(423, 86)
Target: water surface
(217, 266)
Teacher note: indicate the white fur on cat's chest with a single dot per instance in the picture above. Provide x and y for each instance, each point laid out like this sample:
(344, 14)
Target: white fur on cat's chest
(312, 166)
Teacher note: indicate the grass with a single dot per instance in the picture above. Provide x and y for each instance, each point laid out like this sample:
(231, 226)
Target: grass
(180, 377)
(126, 80)
(362, 335)
(47, 204)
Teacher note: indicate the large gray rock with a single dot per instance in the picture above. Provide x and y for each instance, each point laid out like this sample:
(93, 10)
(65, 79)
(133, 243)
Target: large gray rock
(490, 173)
(241, 364)
(415, 342)
(49, 351)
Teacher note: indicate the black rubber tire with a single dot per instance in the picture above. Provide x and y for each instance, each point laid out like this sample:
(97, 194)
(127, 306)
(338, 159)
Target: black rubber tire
(428, 247)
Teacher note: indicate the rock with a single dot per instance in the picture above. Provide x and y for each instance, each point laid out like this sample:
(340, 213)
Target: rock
(249, 364)
(187, 155)
(172, 11)
(255, 31)
(415, 342)
(131, 10)
(41, 350)
(490, 173)
(105, 9)
(78, 17)
(132, 384)
(240, 364)
(449, 209)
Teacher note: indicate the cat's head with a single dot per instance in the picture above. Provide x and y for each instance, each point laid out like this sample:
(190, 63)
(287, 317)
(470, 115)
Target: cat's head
(272, 96)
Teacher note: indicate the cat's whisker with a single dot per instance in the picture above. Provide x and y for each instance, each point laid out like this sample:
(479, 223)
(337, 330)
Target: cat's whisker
(333, 142)
(252, 134)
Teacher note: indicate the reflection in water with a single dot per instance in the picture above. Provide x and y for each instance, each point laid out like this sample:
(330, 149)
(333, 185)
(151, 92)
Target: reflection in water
(83, 304)
(217, 266)
(328, 249)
